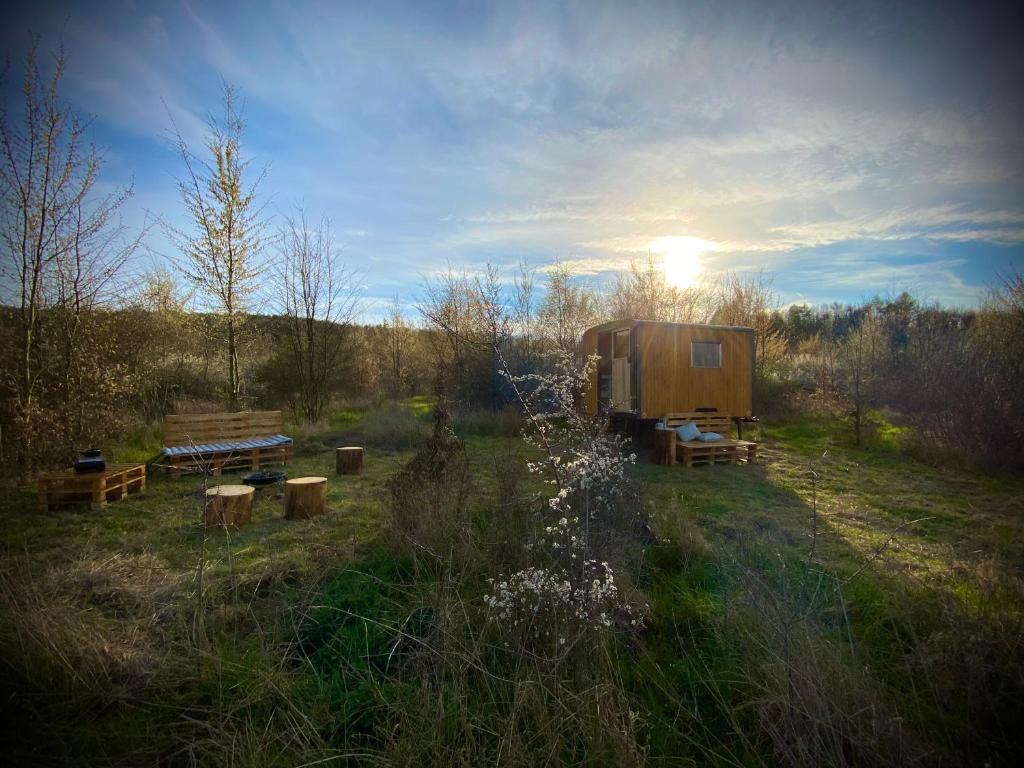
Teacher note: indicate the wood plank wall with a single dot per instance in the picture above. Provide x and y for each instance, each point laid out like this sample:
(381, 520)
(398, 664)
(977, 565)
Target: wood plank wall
(588, 347)
(668, 383)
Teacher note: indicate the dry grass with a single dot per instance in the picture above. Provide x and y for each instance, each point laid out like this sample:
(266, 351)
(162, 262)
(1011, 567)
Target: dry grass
(916, 658)
(812, 702)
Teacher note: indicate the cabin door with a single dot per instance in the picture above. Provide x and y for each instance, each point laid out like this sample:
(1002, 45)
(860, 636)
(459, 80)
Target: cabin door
(622, 396)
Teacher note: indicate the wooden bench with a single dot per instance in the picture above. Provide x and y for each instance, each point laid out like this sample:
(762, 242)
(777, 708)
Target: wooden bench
(669, 449)
(200, 442)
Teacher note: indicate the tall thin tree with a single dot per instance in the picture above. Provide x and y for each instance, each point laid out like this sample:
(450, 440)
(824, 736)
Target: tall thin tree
(396, 332)
(223, 247)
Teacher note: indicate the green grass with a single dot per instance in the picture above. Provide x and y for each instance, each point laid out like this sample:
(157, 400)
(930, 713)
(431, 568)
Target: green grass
(298, 618)
(945, 555)
(421, 405)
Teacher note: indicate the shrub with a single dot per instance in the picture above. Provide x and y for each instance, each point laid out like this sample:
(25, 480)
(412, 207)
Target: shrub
(428, 494)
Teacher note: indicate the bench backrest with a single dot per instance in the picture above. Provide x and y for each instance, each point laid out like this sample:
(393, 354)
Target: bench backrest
(188, 428)
(714, 421)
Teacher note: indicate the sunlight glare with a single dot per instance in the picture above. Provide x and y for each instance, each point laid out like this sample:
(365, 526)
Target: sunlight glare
(681, 258)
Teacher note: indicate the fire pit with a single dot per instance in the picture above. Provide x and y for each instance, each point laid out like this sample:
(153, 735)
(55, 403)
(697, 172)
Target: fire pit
(263, 479)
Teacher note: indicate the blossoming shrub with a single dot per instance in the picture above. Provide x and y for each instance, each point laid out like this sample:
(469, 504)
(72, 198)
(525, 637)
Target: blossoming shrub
(566, 591)
(544, 610)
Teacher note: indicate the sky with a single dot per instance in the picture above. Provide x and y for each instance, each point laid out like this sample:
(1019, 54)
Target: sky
(846, 150)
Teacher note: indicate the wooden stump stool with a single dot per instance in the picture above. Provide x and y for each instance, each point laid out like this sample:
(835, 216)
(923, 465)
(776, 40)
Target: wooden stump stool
(229, 505)
(305, 497)
(664, 447)
(348, 461)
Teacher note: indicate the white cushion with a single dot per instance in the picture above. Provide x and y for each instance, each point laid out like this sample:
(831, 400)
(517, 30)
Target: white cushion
(688, 431)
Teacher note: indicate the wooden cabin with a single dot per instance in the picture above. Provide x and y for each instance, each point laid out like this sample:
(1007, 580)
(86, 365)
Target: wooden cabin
(647, 369)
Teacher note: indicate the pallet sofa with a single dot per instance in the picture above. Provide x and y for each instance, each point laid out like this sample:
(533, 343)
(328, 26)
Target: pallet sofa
(212, 442)
(94, 489)
(669, 449)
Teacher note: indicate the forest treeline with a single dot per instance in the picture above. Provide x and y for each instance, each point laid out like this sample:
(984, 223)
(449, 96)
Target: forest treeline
(956, 377)
(249, 312)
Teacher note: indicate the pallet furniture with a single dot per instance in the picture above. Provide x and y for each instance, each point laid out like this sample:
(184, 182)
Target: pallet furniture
(739, 421)
(305, 497)
(228, 505)
(691, 452)
(95, 489)
(664, 446)
(212, 442)
(348, 461)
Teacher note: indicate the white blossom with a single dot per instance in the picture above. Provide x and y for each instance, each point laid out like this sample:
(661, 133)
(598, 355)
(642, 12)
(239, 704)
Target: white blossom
(586, 466)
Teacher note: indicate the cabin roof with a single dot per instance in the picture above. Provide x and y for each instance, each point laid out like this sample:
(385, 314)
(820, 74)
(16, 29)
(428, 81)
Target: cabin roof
(620, 323)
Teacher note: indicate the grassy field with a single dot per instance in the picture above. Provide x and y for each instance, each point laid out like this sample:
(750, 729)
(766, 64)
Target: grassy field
(860, 559)
(828, 602)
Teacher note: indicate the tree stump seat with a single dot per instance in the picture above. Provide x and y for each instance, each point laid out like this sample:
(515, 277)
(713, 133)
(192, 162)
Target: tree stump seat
(305, 497)
(229, 505)
(348, 460)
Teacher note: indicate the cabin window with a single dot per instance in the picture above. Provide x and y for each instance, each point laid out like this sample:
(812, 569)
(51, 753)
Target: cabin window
(706, 354)
(621, 347)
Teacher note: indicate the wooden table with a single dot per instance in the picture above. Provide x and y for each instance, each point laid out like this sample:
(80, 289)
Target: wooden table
(96, 489)
(741, 420)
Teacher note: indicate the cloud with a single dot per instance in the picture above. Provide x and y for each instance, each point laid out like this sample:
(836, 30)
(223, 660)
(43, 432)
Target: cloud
(943, 222)
(586, 130)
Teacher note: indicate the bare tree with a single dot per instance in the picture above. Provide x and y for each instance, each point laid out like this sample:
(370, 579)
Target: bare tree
(397, 333)
(493, 323)
(568, 309)
(859, 355)
(319, 296)
(470, 318)
(223, 246)
(751, 302)
(62, 246)
(644, 293)
(447, 307)
(524, 316)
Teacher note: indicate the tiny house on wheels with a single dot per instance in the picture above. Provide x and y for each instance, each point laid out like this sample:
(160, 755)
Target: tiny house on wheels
(648, 369)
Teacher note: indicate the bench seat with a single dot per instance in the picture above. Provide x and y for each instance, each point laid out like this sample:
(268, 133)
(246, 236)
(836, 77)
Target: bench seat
(671, 450)
(211, 442)
(724, 451)
(234, 445)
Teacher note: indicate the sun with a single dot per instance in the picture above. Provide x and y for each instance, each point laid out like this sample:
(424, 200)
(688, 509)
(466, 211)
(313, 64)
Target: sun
(681, 258)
